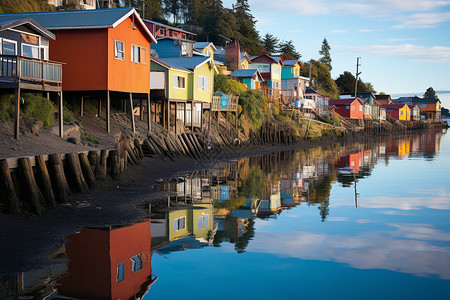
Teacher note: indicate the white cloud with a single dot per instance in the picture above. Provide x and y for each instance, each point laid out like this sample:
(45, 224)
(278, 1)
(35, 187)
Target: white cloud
(434, 54)
(338, 31)
(400, 39)
(423, 20)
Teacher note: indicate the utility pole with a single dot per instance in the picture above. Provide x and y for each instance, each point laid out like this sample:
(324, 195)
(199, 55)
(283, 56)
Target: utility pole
(357, 74)
(310, 63)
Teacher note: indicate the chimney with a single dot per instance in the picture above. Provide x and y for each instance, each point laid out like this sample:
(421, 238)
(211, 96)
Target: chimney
(233, 55)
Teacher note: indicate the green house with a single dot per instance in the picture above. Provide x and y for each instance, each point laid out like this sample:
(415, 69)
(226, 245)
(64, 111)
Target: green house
(182, 90)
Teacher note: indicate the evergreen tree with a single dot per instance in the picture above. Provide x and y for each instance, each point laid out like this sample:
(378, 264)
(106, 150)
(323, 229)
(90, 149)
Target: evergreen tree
(172, 8)
(346, 84)
(288, 48)
(247, 34)
(325, 52)
(151, 10)
(194, 15)
(430, 93)
(321, 79)
(11, 6)
(270, 43)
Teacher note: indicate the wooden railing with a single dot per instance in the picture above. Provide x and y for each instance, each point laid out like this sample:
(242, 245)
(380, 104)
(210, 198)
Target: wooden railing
(273, 95)
(218, 105)
(14, 68)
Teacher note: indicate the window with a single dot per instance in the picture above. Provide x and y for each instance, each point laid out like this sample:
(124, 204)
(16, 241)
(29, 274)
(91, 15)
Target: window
(179, 82)
(161, 31)
(184, 49)
(175, 34)
(401, 113)
(120, 272)
(347, 106)
(183, 36)
(203, 83)
(136, 263)
(138, 54)
(361, 108)
(424, 105)
(119, 50)
(203, 221)
(30, 51)
(9, 48)
(180, 223)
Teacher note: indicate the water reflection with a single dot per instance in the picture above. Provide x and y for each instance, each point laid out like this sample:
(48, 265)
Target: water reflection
(329, 204)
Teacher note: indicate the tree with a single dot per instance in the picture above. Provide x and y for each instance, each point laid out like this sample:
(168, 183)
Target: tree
(247, 34)
(11, 6)
(151, 10)
(346, 84)
(325, 52)
(270, 43)
(430, 93)
(287, 47)
(320, 78)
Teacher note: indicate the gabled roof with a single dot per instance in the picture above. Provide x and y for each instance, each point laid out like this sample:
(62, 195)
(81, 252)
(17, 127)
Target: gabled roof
(412, 106)
(339, 102)
(393, 106)
(270, 57)
(81, 19)
(219, 52)
(167, 26)
(291, 63)
(383, 97)
(189, 63)
(310, 91)
(174, 39)
(169, 65)
(246, 73)
(7, 24)
(203, 45)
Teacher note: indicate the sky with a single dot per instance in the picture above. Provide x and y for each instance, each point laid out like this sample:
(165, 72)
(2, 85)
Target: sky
(404, 45)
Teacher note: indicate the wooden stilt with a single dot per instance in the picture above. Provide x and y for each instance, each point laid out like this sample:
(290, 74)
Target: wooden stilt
(60, 115)
(168, 115)
(59, 181)
(141, 109)
(46, 184)
(81, 105)
(100, 172)
(87, 169)
(133, 125)
(149, 113)
(7, 186)
(33, 194)
(94, 160)
(99, 107)
(74, 168)
(108, 107)
(185, 115)
(17, 113)
(192, 116)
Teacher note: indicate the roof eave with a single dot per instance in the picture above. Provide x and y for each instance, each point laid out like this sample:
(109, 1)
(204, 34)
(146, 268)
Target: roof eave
(128, 14)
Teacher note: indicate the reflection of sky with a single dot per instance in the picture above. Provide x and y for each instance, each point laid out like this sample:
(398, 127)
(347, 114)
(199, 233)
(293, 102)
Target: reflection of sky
(395, 245)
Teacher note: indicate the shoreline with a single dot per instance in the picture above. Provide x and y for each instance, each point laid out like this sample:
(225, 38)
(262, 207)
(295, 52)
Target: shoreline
(116, 201)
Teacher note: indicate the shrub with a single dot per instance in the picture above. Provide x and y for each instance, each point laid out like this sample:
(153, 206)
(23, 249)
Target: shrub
(225, 85)
(6, 107)
(67, 115)
(282, 118)
(253, 103)
(40, 108)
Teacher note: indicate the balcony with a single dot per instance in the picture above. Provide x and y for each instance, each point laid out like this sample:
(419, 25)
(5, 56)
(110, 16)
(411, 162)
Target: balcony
(30, 73)
(225, 103)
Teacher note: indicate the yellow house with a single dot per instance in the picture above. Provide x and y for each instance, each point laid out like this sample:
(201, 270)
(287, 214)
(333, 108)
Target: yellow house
(205, 48)
(398, 111)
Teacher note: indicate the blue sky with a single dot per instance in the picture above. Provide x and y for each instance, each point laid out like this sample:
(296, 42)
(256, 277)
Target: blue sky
(404, 45)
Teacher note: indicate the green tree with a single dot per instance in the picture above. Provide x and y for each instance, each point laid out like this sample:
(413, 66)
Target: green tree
(288, 48)
(346, 83)
(321, 78)
(430, 93)
(247, 34)
(270, 43)
(151, 10)
(12, 6)
(325, 52)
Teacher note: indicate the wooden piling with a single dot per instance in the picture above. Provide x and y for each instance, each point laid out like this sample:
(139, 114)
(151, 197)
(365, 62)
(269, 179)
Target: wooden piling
(87, 169)
(100, 171)
(115, 163)
(94, 160)
(45, 182)
(58, 178)
(7, 186)
(74, 169)
(32, 192)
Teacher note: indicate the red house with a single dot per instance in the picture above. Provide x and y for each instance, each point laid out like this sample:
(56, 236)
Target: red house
(351, 108)
(160, 30)
(109, 263)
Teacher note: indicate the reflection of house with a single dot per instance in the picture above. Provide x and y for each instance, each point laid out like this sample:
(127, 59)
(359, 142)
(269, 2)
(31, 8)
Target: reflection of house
(196, 220)
(268, 207)
(110, 263)
(351, 163)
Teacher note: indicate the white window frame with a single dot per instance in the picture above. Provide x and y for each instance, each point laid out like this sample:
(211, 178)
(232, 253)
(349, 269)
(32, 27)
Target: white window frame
(116, 51)
(9, 41)
(33, 46)
(175, 81)
(177, 222)
(202, 219)
(201, 84)
(142, 58)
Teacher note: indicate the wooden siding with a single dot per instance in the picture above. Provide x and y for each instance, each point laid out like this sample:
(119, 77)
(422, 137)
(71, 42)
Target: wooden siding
(208, 71)
(85, 55)
(128, 76)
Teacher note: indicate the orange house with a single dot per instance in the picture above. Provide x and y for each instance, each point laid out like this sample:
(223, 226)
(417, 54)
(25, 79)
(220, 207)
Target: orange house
(108, 263)
(106, 53)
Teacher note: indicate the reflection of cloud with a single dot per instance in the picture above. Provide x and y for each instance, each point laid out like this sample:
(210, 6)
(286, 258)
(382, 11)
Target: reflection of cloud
(395, 213)
(434, 54)
(372, 250)
(420, 232)
(365, 221)
(337, 219)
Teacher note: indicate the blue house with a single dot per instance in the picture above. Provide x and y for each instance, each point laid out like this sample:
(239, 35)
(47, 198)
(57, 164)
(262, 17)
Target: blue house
(173, 47)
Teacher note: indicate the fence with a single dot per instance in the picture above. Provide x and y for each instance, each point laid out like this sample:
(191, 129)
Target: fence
(13, 67)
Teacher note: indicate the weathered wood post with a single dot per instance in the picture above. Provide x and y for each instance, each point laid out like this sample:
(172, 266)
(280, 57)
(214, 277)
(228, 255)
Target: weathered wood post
(46, 184)
(33, 194)
(87, 169)
(100, 171)
(133, 125)
(108, 107)
(7, 185)
(60, 115)
(59, 181)
(74, 168)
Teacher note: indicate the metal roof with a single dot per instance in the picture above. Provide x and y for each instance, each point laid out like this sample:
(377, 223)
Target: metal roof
(291, 62)
(343, 101)
(311, 91)
(169, 65)
(203, 45)
(80, 19)
(244, 73)
(189, 63)
(170, 27)
(7, 24)
(393, 106)
(422, 100)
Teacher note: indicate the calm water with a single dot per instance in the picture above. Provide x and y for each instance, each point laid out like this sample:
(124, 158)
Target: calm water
(364, 221)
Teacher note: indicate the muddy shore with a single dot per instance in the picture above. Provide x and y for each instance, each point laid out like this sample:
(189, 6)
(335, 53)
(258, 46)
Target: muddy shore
(27, 240)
